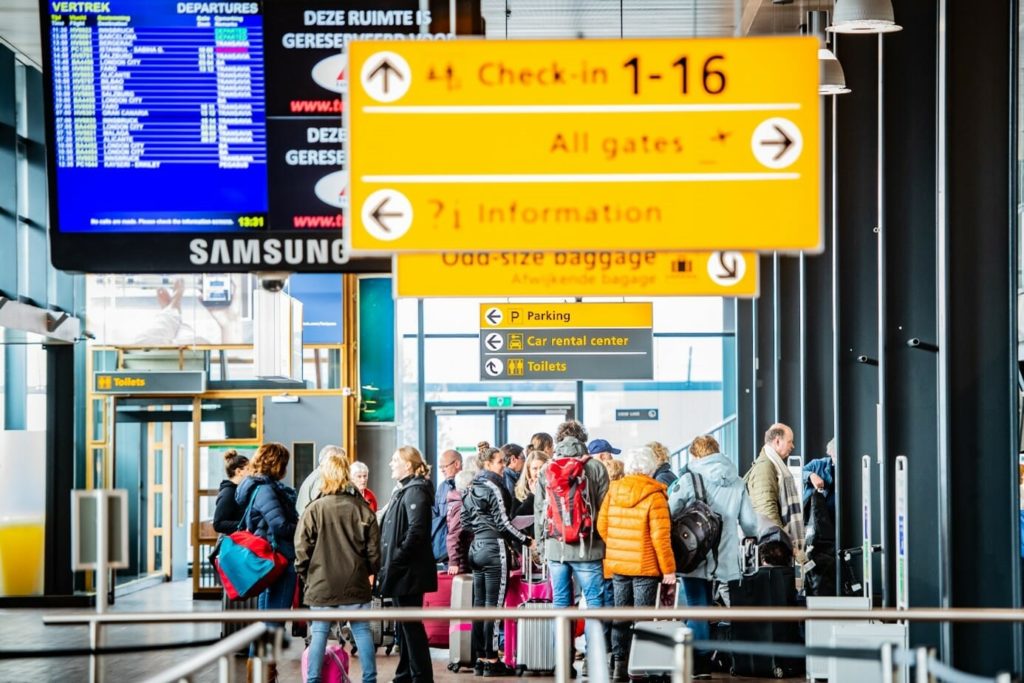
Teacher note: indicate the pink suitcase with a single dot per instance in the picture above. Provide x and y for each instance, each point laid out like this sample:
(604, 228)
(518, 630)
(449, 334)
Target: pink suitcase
(437, 630)
(521, 589)
(335, 668)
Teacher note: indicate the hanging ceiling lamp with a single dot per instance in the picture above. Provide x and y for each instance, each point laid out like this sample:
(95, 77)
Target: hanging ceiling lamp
(831, 80)
(864, 16)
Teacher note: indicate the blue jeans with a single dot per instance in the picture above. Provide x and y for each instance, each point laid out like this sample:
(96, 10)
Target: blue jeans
(319, 630)
(278, 595)
(590, 576)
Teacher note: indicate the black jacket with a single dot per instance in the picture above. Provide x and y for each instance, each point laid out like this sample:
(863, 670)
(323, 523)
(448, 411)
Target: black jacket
(407, 558)
(228, 513)
(664, 474)
(486, 506)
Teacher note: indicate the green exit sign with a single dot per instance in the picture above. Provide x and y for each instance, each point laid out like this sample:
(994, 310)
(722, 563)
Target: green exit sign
(499, 401)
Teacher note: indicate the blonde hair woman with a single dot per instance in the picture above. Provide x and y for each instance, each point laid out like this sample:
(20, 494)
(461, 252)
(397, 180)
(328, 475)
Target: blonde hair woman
(663, 473)
(407, 566)
(337, 550)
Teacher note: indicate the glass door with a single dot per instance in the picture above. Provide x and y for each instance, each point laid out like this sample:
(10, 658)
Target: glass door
(463, 425)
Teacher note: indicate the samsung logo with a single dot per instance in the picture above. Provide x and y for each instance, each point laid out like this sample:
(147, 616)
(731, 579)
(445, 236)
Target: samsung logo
(270, 252)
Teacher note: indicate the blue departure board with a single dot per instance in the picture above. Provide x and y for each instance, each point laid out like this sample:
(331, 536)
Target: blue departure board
(160, 116)
(189, 136)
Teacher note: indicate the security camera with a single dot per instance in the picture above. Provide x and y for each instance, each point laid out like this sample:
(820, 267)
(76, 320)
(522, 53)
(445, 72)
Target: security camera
(273, 281)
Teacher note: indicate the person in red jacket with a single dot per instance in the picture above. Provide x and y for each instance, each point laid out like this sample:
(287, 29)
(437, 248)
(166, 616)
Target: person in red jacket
(360, 474)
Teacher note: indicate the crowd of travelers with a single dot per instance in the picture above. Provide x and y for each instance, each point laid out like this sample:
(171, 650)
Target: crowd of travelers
(618, 544)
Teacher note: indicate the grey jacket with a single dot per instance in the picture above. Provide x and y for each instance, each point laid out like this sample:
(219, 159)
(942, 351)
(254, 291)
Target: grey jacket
(591, 550)
(727, 496)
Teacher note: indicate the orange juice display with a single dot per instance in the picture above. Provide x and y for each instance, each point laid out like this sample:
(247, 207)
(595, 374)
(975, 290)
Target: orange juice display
(21, 556)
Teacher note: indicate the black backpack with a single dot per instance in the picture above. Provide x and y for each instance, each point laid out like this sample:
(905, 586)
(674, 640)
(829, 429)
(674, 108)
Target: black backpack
(696, 530)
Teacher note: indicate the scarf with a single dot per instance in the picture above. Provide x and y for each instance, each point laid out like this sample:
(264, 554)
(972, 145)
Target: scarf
(790, 501)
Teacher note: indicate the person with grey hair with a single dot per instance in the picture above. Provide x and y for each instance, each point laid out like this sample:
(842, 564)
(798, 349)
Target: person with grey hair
(636, 527)
(459, 537)
(449, 465)
(310, 489)
(820, 475)
(360, 474)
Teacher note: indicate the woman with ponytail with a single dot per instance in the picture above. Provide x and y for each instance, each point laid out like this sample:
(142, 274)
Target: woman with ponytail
(407, 567)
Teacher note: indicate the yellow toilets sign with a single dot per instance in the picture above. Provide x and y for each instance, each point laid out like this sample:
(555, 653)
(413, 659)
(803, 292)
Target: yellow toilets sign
(661, 145)
(150, 382)
(575, 273)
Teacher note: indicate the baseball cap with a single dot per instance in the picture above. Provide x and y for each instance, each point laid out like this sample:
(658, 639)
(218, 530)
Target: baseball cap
(602, 446)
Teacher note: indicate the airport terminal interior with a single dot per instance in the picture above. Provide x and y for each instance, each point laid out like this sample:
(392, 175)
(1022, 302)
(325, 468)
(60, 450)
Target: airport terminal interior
(511, 304)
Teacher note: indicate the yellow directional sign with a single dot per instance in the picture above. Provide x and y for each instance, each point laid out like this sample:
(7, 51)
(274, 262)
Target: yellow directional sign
(575, 273)
(553, 145)
(566, 341)
(515, 316)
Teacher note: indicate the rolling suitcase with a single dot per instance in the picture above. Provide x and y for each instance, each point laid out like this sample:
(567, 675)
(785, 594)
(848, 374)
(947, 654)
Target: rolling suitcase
(437, 629)
(226, 604)
(530, 643)
(460, 646)
(652, 657)
(769, 587)
(335, 666)
(383, 632)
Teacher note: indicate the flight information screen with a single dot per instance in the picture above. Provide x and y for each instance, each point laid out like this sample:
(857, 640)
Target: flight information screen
(186, 136)
(160, 116)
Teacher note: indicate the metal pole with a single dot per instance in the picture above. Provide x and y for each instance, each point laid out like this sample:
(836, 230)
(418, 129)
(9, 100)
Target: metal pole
(887, 664)
(102, 576)
(682, 666)
(921, 665)
(883, 455)
(942, 297)
(224, 672)
(776, 337)
(838, 444)
(802, 441)
(563, 650)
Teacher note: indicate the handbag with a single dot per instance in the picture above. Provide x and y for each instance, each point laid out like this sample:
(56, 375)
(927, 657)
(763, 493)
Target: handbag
(247, 563)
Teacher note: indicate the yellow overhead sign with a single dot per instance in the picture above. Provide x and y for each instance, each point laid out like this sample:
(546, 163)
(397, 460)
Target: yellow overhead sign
(560, 145)
(617, 315)
(567, 273)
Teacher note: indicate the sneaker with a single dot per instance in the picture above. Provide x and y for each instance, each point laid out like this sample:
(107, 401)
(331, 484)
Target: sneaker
(478, 668)
(496, 669)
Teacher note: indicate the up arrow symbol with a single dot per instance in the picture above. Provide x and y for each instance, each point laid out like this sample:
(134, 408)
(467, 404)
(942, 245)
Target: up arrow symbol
(386, 68)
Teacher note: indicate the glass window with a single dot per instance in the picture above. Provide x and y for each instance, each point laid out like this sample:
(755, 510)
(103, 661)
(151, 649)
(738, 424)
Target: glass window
(35, 386)
(228, 418)
(211, 463)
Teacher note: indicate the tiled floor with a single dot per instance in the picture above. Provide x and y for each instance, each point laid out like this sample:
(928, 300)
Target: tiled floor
(24, 629)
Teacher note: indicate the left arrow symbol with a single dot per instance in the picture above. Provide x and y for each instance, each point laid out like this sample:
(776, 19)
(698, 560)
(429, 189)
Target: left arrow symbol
(378, 214)
(494, 316)
(494, 341)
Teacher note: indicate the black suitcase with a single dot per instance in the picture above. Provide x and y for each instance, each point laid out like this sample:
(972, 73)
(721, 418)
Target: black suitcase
(769, 587)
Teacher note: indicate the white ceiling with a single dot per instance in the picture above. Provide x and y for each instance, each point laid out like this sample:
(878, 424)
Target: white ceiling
(19, 27)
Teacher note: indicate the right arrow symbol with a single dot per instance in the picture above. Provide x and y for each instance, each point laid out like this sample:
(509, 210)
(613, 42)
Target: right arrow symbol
(784, 143)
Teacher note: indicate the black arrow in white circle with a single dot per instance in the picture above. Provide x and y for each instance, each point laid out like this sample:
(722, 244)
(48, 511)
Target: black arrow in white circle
(729, 270)
(783, 144)
(493, 367)
(379, 214)
(494, 316)
(494, 341)
(386, 68)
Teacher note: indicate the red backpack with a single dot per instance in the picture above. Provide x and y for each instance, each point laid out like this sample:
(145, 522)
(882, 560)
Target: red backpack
(570, 518)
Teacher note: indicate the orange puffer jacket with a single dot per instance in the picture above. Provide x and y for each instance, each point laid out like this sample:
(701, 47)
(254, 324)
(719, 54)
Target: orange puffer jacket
(635, 524)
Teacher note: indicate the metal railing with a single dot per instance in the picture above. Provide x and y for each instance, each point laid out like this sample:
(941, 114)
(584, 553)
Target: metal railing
(562, 619)
(223, 652)
(724, 432)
